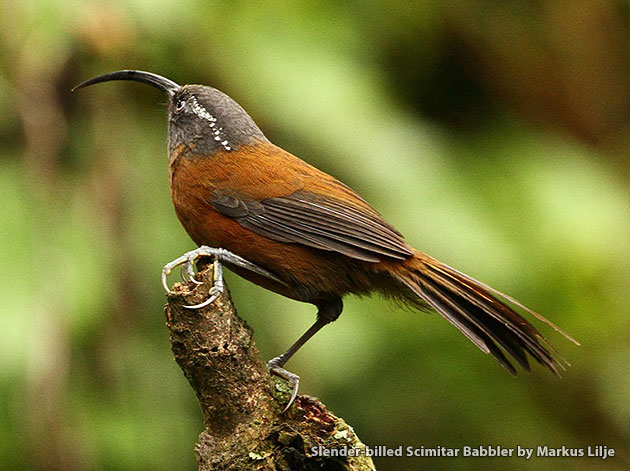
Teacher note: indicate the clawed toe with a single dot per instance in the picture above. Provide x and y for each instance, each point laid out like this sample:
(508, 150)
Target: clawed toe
(292, 379)
(214, 294)
(188, 274)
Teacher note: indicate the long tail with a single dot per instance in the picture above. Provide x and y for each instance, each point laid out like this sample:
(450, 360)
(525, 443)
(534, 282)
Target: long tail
(480, 313)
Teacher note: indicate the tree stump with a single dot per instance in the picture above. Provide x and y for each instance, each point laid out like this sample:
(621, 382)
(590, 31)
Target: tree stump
(240, 402)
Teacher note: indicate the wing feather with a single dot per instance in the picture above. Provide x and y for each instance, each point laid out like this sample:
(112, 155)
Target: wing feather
(322, 223)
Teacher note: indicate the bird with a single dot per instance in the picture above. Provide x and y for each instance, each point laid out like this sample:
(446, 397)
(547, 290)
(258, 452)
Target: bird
(291, 228)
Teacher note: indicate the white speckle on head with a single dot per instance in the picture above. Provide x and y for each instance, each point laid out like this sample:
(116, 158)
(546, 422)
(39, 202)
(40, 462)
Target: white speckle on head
(203, 113)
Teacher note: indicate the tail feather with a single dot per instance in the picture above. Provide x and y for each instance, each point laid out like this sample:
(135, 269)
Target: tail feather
(466, 325)
(495, 330)
(480, 313)
(504, 322)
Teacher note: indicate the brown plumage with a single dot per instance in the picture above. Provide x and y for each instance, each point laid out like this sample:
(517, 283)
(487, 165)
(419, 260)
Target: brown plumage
(311, 237)
(325, 241)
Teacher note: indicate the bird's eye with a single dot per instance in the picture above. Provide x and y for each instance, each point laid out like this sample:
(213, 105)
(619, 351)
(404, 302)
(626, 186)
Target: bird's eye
(181, 104)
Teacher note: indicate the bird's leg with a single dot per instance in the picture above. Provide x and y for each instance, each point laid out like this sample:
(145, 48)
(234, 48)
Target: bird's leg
(327, 313)
(219, 256)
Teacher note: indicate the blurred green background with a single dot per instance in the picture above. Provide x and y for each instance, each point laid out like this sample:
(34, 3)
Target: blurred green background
(494, 134)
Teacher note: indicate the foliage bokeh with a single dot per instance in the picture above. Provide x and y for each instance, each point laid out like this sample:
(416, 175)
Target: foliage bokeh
(494, 135)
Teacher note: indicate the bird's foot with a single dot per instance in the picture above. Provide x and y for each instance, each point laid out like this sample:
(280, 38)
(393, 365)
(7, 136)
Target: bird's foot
(187, 263)
(275, 368)
(219, 256)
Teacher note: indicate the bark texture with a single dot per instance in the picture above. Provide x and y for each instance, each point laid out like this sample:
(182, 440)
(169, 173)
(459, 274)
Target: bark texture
(240, 402)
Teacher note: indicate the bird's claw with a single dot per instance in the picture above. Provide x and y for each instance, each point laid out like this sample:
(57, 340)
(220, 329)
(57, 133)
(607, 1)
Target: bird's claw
(187, 262)
(292, 379)
(219, 256)
(187, 272)
(214, 293)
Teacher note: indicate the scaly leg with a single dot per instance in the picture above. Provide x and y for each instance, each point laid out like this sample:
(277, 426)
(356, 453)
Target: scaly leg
(218, 256)
(327, 312)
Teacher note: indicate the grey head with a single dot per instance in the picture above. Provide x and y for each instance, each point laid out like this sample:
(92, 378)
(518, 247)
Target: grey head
(199, 116)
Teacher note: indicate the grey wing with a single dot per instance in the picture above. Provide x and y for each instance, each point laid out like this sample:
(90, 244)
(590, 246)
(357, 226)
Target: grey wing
(318, 222)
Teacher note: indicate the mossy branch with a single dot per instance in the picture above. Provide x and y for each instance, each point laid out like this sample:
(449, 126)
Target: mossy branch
(240, 402)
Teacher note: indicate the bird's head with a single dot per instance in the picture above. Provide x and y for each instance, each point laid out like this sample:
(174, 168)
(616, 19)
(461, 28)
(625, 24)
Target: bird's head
(200, 117)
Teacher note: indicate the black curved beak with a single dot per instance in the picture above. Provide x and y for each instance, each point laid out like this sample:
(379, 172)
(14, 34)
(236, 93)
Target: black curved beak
(157, 81)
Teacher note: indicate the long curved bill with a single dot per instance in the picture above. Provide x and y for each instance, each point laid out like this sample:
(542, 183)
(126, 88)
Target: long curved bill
(157, 81)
